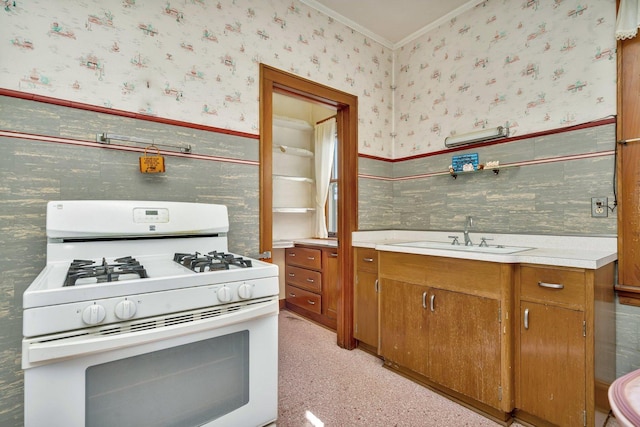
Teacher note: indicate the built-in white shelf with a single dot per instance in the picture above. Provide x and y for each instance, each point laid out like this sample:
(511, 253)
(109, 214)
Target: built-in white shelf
(293, 178)
(294, 151)
(290, 123)
(293, 210)
(293, 175)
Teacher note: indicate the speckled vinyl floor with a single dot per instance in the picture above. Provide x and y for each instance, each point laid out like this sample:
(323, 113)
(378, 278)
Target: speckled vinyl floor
(321, 384)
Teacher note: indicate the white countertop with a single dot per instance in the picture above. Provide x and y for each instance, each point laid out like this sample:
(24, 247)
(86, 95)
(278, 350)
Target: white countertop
(283, 244)
(564, 251)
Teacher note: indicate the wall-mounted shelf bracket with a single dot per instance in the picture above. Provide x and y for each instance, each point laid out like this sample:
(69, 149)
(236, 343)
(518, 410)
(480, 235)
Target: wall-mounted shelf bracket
(454, 175)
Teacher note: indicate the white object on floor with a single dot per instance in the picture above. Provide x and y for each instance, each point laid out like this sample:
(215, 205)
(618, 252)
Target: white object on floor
(624, 397)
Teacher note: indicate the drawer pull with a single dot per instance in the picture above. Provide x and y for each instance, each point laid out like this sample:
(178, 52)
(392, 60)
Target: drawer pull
(292, 275)
(292, 254)
(310, 280)
(334, 254)
(311, 258)
(367, 259)
(526, 318)
(291, 294)
(311, 302)
(551, 285)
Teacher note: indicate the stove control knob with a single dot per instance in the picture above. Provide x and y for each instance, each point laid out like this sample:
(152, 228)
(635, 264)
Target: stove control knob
(93, 314)
(125, 309)
(224, 294)
(245, 291)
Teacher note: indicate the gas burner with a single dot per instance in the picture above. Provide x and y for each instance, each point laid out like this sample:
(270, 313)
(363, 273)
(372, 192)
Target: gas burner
(103, 272)
(210, 262)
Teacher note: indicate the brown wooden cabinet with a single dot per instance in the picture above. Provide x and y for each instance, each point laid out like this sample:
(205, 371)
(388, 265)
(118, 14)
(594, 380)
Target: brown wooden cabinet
(628, 170)
(445, 322)
(365, 298)
(404, 339)
(331, 284)
(536, 341)
(464, 344)
(311, 283)
(565, 344)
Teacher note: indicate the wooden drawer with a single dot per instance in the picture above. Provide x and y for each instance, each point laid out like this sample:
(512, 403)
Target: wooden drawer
(367, 260)
(304, 299)
(304, 257)
(553, 285)
(307, 279)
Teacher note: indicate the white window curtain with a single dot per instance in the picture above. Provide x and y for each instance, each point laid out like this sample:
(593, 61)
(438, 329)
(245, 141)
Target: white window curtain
(628, 20)
(325, 140)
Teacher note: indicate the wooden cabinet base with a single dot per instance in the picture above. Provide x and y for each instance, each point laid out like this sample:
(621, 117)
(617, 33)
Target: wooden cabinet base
(311, 283)
(315, 317)
(527, 419)
(500, 417)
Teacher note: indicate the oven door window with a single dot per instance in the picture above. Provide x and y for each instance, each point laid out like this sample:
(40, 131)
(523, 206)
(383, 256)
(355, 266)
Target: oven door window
(188, 385)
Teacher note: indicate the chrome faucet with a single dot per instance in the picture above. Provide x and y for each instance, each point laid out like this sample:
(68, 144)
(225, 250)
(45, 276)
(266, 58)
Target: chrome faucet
(467, 225)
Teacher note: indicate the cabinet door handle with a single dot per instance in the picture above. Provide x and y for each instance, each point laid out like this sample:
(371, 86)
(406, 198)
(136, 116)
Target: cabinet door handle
(432, 302)
(376, 286)
(311, 302)
(334, 254)
(310, 280)
(367, 259)
(551, 285)
(526, 318)
(424, 299)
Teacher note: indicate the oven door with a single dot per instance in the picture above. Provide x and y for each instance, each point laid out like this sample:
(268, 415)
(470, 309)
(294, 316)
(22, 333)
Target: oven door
(217, 368)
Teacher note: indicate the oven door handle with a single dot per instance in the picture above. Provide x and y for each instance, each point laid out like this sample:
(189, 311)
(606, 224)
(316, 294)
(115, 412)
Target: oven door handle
(40, 352)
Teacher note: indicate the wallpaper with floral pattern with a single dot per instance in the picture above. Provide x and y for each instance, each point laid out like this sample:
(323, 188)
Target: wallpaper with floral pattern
(190, 60)
(529, 64)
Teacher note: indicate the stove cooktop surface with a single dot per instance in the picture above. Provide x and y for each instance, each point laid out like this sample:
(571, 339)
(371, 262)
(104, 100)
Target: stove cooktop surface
(107, 277)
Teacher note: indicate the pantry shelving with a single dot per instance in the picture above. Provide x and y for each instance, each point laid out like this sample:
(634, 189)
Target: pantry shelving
(293, 178)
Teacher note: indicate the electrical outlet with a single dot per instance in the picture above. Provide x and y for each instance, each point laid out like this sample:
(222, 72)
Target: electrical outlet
(599, 207)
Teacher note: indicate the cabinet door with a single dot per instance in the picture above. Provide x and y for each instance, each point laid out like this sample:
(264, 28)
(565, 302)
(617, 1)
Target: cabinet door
(330, 283)
(365, 309)
(464, 344)
(403, 331)
(550, 375)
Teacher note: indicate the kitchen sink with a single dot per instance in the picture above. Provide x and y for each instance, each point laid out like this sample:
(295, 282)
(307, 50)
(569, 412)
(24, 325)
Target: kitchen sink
(499, 249)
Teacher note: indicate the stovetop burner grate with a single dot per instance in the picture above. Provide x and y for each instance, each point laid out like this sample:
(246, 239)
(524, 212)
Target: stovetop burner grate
(104, 271)
(210, 262)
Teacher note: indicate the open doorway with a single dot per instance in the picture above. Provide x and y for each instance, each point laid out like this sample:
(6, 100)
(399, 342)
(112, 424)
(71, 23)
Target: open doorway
(346, 113)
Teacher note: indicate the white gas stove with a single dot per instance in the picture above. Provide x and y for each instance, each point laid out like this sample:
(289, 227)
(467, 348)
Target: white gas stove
(124, 274)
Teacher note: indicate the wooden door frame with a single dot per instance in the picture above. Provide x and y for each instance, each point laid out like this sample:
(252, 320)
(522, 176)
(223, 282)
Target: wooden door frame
(274, 80)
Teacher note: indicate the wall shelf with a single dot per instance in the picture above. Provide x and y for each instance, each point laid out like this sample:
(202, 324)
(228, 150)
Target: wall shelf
(495, 170)
(290, 123)
(293, 151)
(293, 210)
(293, 178)
(454, 175)
(292, 175)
